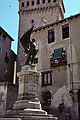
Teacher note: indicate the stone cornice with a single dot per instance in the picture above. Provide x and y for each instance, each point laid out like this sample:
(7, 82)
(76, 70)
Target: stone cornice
(38, 9)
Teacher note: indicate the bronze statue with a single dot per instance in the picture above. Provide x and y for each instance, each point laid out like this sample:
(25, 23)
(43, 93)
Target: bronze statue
(29, 46)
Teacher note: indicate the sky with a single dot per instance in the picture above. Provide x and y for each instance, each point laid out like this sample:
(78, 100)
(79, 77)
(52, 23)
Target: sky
(9, 18)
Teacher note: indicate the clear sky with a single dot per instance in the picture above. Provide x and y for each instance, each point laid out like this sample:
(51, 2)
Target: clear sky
(9, 16)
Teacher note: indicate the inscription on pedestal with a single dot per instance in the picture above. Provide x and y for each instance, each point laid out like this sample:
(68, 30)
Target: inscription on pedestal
(32, 88)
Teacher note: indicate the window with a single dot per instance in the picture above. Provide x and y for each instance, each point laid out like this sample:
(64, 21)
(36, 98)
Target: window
(51, 36)
(0, 50)
(32, 22)
(43, 1)
(4, 36)
(6, 58)
(65, 31)
(22, 4)
(38, 1)
(58, 57)
(0, 33)
(27, 3)
(58, 53)
(54, 0)
(46, 78)
(49, 1)
(32, 2)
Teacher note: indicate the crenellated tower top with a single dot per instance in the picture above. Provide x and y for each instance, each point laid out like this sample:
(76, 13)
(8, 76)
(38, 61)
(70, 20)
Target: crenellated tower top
(41, 12)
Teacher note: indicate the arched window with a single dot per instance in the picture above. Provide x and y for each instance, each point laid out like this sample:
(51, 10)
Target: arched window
(0, 33)
(4, 36)
(49, 1)
(43, 1)
(38, 1)
(27, 3)
(22, 4)
(32, 2)
(54, 0)
(6, 58)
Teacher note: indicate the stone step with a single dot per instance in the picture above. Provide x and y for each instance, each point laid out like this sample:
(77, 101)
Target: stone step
(34, 112)
(31, 118)
(26, 104)
(26, 112)
(10, 119)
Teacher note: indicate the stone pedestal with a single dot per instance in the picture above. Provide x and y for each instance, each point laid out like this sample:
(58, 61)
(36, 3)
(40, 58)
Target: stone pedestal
(28, 86)
(28, 106)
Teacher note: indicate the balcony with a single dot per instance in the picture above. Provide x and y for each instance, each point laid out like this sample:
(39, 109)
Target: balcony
(58, 58)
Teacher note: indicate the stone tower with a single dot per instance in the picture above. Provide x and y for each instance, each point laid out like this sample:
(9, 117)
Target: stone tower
(39, 13)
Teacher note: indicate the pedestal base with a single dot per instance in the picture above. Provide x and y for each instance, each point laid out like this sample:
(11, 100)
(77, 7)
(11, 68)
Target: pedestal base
(28, 106)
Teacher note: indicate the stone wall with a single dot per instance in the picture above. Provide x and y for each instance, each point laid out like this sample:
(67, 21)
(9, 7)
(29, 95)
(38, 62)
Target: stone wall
(12, 94)
(8, 95)
(3, 97)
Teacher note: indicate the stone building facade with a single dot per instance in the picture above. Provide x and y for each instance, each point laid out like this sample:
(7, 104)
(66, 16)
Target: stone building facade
(8, 95)
(8, 91)
(7, 57)
(58, 58)
(59, 75)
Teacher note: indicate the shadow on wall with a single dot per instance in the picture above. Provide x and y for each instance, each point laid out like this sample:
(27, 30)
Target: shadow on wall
(62, 105)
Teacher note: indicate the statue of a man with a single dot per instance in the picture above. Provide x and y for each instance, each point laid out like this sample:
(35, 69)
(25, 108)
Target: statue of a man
(32, 51)
(29, 46)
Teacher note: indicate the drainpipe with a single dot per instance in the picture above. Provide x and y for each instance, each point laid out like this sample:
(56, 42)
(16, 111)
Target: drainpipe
(71, 61)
